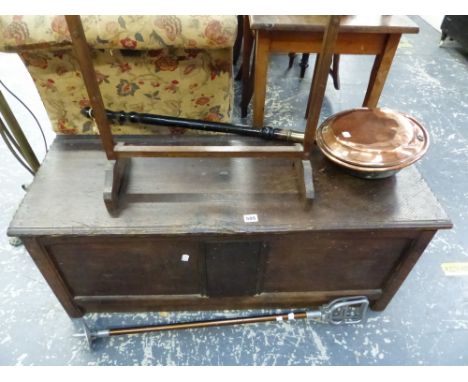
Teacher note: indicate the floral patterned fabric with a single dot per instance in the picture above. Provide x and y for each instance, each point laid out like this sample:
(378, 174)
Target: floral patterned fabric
(123, 32)
(176, 82)
(166, 79)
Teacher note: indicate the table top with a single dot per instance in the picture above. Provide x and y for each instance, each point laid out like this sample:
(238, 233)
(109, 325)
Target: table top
(354, 24)
(193, 196)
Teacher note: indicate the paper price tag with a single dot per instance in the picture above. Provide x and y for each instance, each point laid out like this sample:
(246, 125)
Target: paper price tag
(251, 218)
(455, 269)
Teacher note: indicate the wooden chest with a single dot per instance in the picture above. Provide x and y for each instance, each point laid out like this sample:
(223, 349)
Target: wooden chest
(220, 233)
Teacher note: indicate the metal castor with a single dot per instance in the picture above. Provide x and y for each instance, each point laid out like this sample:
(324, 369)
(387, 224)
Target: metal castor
(15, 241)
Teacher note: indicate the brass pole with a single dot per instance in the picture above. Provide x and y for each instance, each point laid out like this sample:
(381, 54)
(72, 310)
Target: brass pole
(25, 148)
(206, 324)
(346, 310)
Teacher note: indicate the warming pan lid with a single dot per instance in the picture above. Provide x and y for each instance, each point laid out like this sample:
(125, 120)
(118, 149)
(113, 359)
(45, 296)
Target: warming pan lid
(377, 139)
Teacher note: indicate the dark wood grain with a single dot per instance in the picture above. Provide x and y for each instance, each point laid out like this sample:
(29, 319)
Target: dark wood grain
(232, 267)
(181, 241)
(212, 194)
(326, 261)
(407, 261)
(196, 302)
(52, 275)
(119, 266)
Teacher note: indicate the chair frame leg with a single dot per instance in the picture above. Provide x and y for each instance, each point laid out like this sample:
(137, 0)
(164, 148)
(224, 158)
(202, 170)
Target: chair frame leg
(304, 63)
(292, 57)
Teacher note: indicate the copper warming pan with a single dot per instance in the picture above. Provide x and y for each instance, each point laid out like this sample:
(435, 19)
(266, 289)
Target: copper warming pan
(372, 143)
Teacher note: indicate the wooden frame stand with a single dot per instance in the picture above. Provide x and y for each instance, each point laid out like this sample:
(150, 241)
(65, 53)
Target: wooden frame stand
(114, 184)
(121, 153)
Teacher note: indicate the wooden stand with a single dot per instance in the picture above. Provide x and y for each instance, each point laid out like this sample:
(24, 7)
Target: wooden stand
(304, 174)
(116, 175)
(117, 152)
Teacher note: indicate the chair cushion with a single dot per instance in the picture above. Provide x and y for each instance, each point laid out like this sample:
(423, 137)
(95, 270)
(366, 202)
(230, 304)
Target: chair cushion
(189, 83)
(122, 32)
(169, 65)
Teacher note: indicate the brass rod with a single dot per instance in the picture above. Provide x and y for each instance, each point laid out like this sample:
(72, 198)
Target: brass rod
(25, 148)
(12, 145)
(206, 324)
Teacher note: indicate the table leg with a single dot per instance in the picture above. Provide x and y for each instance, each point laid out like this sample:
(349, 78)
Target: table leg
(380, 70)
(237, 44)
(314, 78)
(246, 69)
(304, 63)
(292, 57)
(262, 47)
(335, 71)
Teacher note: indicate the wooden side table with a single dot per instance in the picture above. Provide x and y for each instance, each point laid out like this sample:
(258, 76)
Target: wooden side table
(371, 35)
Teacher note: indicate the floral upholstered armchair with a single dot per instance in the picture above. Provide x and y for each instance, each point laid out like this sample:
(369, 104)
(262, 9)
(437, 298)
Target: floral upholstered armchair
(170, 65)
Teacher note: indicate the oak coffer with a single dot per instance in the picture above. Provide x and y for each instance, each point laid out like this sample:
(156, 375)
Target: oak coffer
(220, 233)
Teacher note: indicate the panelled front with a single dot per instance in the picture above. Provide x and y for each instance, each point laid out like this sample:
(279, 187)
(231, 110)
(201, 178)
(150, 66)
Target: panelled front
(332, 261)
(233, 268)
(227, 267)
(122, 266)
